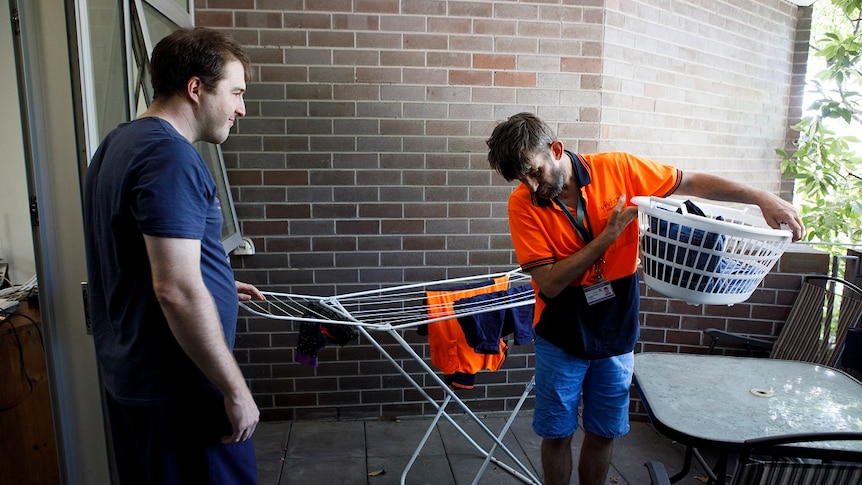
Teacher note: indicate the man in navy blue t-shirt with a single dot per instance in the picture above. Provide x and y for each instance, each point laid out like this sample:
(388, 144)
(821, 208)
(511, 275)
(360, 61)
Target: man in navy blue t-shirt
(163, 298)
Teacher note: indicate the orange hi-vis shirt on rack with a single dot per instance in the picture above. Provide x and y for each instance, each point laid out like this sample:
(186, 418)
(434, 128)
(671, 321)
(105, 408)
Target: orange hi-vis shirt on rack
(542, 234)
(449, 350)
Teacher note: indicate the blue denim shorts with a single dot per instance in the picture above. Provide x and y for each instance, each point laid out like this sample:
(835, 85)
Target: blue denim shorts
(560, 380)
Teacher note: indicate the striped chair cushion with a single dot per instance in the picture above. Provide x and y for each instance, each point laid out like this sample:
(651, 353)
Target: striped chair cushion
(791, 473)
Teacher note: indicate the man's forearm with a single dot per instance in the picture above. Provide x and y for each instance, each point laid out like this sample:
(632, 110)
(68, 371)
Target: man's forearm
(776, 211)
(554, 278)
(196, 326)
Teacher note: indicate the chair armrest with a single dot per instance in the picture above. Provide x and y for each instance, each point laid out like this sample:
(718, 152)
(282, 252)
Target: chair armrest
(657, 473)
(721, 338)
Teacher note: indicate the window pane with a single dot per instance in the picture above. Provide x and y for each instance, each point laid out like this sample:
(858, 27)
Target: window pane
(184, 4)
(158, 25)
(108, 57)
(229, 229)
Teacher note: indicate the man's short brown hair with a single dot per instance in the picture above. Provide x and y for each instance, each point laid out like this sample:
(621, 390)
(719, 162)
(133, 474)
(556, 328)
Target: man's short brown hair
(187, 53)
(514, 141)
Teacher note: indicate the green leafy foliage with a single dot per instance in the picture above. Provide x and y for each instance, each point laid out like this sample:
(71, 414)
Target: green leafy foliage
(826, 165)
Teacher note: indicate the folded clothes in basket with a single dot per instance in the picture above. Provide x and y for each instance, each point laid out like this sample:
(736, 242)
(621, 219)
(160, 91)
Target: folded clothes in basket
(697, 249)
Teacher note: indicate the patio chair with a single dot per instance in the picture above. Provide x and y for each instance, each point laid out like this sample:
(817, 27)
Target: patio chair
(789, 459)
(824, 310)
(851, 358)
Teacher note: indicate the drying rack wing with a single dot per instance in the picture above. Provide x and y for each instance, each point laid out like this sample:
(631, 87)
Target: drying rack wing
(397, 307)
(299, 308)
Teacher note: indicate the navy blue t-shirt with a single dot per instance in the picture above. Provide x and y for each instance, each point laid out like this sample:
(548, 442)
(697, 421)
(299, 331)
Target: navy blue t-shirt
(145, 178)
(593, 331)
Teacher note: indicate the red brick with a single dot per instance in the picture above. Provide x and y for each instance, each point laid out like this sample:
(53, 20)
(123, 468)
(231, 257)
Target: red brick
(581, 64)
(231, 4)
(377, 6)
(258, 20)
(213, 18)
(520, 79)
(450, 25)
(493, 61)
(359, 23)
(476, 78)
(307, 21)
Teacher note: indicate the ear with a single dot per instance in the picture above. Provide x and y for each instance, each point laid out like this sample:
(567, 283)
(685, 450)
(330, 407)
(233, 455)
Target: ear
(194, 88)
(557, 149)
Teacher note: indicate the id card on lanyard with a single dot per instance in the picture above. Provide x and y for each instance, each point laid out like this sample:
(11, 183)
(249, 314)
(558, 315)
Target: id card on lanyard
(601, 290)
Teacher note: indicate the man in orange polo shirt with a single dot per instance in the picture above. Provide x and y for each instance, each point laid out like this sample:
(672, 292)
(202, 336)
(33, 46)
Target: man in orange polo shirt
(572, 230)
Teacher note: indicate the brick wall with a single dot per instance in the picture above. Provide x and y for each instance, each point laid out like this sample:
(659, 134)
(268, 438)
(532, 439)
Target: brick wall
(362, 163)
(701, 85)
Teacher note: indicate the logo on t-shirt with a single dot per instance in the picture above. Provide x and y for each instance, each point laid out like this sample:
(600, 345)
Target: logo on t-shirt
(609, 203)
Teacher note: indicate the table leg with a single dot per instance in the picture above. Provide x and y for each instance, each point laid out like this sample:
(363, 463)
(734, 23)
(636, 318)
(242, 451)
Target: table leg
(686, 465)
(721, 469)
(717, 474)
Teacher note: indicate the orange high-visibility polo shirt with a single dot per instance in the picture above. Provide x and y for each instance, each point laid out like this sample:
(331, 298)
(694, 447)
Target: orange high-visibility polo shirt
(542, 234)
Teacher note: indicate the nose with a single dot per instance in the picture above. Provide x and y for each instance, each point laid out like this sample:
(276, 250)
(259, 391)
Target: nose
(241, 108)
(530, 183)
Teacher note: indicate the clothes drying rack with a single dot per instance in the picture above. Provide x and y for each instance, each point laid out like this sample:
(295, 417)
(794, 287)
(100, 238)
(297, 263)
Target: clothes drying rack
(394, 309)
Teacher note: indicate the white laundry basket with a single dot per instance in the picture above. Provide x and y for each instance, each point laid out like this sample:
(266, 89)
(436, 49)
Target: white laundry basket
(719, 259)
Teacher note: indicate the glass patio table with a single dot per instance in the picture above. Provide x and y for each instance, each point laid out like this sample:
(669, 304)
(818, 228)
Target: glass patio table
(717, 402)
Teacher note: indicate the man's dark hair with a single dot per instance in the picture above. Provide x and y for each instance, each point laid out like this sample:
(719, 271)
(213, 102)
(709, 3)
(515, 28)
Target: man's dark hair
(199, 52)
(514, 141)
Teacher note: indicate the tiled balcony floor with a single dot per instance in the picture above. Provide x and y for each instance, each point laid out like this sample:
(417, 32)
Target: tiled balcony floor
(375, 452)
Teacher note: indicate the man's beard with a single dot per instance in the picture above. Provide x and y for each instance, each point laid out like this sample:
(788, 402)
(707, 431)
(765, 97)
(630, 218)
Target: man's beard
(553, 189)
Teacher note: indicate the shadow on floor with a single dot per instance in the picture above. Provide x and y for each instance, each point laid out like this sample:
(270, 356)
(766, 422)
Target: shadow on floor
(376, 452)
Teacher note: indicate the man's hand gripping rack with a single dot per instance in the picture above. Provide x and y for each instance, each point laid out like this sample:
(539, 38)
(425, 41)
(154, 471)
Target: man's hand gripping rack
(398, 308)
